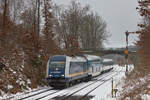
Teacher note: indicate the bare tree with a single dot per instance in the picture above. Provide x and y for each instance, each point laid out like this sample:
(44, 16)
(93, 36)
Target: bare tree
(16, 7)
(93, 31)
(39, 4)
(81, 25)
(68, 25)
(5, 11)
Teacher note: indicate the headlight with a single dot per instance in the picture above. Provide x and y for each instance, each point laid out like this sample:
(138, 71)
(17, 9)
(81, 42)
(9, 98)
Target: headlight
(62, 75)
(50, 75)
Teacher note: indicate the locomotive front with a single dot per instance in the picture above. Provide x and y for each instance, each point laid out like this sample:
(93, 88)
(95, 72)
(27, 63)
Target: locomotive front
(56, 71)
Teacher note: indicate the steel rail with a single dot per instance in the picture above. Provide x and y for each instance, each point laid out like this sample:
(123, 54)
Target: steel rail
(66, 97)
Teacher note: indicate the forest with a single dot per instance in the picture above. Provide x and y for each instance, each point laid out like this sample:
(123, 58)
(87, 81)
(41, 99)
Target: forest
(33, 30)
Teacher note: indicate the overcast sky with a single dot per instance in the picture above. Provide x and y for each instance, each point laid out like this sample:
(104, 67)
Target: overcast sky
(120, 15)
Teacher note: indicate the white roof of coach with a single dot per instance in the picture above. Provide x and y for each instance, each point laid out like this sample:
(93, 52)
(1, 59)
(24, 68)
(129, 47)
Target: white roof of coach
(73, 58)
(107, 60)
(92, 57)
(76, 59)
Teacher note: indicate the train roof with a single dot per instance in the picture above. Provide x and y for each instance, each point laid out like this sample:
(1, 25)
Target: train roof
(107, 60)
(68, 58)
(92, 57)
(75, 58)
(58, 58)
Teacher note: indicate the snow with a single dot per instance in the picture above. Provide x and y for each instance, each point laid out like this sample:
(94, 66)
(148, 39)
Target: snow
(20, 81)
(66, 91)
(22, 66)
(127, 98)
(9, 87)
(100, 93)
(28, 81)
(22, 94)
(92, 57)
(103, 92)
(2, 94)
(107, 60)
(10, 69)
(148, 86)
(76, 58)
(14, 72)
(146, 97)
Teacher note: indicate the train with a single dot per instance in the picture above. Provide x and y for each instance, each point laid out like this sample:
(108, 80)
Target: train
(65, 71)
(107, 65)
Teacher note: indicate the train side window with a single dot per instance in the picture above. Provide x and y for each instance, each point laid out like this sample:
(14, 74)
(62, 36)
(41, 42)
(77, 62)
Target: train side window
(76, 67)
(84, 67)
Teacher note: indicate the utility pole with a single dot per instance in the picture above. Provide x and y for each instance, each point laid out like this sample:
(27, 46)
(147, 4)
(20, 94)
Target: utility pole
(112, 90)
(127, 51)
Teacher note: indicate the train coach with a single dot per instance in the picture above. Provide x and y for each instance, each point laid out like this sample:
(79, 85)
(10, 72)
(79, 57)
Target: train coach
(107, 65)
(65, 70)
(94, 65)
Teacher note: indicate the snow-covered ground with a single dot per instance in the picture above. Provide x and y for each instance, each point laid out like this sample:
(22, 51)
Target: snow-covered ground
(102, 92)
(105, 91)
(20, 95)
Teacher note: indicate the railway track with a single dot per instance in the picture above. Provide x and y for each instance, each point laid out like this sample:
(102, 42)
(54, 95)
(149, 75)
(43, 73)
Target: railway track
(51, 91)
(33, 93)
(25, 93)
(59, 91)
(83, 97)
(68, 96)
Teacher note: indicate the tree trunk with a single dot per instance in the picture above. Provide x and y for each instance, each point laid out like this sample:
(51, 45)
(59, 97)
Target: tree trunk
(38, 18)
(4, 15)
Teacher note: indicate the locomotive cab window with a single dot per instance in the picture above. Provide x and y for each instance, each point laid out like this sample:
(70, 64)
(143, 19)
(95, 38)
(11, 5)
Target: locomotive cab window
(57, 64)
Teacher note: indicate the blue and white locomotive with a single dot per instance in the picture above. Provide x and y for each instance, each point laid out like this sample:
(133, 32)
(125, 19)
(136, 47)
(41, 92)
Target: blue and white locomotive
(63, 70)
